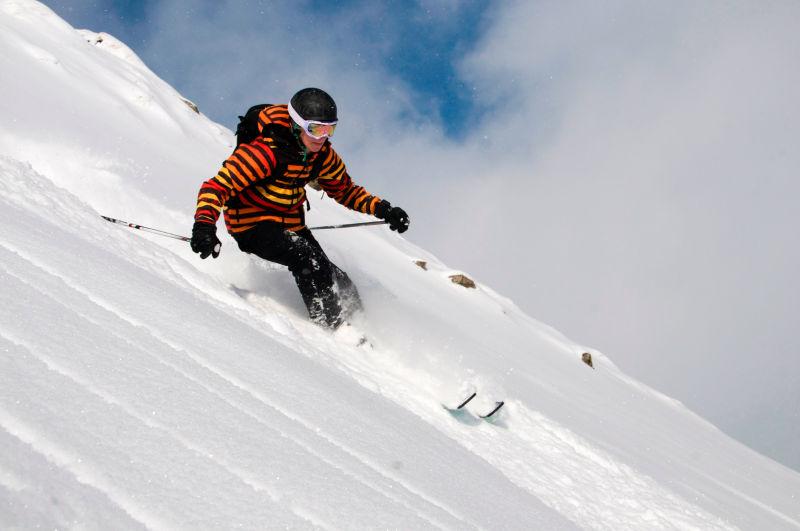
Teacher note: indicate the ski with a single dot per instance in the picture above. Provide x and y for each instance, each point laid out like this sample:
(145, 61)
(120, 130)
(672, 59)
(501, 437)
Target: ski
(461, 411)
(497, 407)
(465, 402)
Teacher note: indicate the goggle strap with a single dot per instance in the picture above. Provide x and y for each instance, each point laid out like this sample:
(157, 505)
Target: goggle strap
(297, 118)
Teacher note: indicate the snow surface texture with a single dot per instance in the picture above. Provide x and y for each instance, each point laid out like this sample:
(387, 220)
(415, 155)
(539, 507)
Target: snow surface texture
(143, 388)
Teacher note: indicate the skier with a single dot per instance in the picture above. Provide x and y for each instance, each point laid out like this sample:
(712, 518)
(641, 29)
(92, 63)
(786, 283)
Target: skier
(261, 190)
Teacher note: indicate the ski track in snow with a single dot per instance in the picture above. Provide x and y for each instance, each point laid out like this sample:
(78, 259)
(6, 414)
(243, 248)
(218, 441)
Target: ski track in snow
(749, 499)
(532, 452)
(75, 465)
(72, 297)
(525, 458)
(85, 472)
(531, 443)
(230, 380)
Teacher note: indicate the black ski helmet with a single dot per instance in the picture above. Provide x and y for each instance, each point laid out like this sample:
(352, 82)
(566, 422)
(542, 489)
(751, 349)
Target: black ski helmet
(314, 104)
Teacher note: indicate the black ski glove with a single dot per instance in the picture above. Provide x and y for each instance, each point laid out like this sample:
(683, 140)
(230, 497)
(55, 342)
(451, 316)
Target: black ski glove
(204, 240)
(395, 216)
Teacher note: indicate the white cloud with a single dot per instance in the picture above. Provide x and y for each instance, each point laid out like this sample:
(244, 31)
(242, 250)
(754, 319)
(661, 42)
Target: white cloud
(647, 189)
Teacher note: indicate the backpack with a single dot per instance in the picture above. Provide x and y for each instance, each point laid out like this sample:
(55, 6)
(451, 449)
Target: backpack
(247, 130)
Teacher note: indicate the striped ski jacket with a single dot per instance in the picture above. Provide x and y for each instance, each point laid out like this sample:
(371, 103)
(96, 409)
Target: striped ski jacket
(265, 179)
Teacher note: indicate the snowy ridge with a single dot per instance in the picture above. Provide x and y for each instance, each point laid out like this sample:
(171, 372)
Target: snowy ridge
(115, 47)
(141, 387)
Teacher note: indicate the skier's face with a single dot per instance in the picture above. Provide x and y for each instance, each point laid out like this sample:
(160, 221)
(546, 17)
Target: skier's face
(312, 144)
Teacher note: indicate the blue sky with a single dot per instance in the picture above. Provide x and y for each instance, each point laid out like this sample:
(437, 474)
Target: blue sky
(420, 43)
(625, 171)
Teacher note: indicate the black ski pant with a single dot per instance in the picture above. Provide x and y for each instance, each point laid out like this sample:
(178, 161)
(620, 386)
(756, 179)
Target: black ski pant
(327, 291)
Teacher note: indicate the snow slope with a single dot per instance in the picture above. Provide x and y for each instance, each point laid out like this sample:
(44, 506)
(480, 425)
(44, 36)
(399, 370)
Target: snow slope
(142, 387)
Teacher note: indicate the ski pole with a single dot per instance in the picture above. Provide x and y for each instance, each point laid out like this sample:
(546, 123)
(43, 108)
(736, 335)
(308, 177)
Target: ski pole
(147, 229)
(348, 225)
(187, 239)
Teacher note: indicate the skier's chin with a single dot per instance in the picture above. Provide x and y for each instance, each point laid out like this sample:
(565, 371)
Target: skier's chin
(315, 146)
(312, 144)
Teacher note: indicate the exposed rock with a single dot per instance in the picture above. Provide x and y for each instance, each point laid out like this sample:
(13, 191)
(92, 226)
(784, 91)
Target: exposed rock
(422, 263)
(191, 105)
(587, 359)
(463, 280)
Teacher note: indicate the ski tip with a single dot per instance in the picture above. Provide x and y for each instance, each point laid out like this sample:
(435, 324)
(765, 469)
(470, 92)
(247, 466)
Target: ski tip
(494, 411)
(467, 401)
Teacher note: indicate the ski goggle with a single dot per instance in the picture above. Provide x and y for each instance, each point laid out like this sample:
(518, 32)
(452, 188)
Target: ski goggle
(314, 129)
(319, 129)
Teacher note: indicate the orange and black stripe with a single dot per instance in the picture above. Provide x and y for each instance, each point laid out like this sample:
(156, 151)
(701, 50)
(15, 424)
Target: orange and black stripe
(253, 185)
